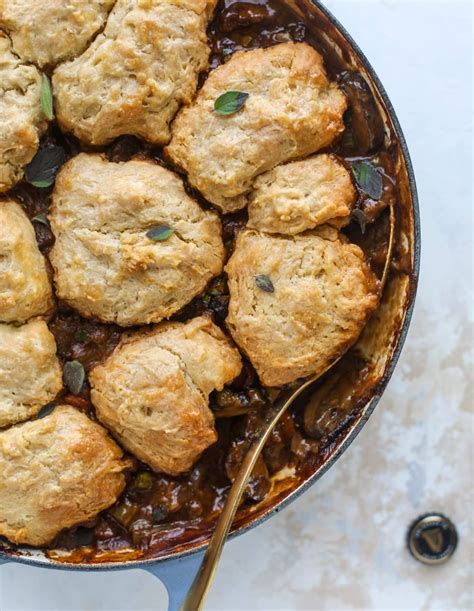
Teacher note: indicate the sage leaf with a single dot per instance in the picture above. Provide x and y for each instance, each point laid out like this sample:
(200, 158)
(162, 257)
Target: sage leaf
(74, 376)
(368, 178)
(143, 481)
(46, 98)
(42, 169)
(41, 218)
(81, 336)
(361, 218)
(41, 184)
(158, 233)
(264, 283)
(230, 102)
(158, 514)
(218, 287)
(46, 410)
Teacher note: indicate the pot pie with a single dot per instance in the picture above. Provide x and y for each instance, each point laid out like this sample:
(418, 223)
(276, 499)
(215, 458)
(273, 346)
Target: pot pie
(192, 283)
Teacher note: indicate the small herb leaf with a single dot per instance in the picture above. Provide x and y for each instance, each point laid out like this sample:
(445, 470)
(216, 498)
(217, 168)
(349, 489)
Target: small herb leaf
(46, 98)
(81, 336)
(41, 184)
(143, 481)
(263, 282)
(361, 218)
(158, 514)
(368, 178)
(159, 233)
(230, 102)
(41, 218)
(46, 410)
(42, 170)
(74, 376)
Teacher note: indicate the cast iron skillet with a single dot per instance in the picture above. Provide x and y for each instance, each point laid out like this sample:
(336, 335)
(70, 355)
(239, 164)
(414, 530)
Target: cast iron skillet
(380, 343)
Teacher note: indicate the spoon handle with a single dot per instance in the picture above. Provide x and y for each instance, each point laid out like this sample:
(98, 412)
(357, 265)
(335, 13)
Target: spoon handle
(199, 589)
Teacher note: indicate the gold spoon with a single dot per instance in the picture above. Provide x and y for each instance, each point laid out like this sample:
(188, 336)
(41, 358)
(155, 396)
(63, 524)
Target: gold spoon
(199, 589)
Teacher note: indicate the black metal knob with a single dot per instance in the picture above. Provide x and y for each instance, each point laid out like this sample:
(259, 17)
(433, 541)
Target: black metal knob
(432, 538)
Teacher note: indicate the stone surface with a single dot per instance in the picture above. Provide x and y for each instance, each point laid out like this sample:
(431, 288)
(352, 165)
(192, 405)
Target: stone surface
(341, 546)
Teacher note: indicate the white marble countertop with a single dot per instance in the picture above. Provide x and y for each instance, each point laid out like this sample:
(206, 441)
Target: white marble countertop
(341, 545)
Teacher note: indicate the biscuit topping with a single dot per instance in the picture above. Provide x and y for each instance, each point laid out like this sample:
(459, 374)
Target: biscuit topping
(129, 242)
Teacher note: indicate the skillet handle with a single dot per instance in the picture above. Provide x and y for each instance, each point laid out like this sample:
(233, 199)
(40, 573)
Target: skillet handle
(177, 576)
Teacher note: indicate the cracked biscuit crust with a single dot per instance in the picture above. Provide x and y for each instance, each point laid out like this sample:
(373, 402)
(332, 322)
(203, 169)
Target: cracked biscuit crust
(152, 392)
(105, 265)
(25, 289)
(300, 195)
(323, 295)
(292, 111)
(136, 74)
(21, 119)
(30, 373)
(57, 472)
(46, 32)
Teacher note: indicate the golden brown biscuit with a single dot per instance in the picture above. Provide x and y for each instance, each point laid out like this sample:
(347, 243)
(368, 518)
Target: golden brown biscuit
(152, 392)
(136, 74)
(22, 121)
(323, 295)
(46, 32)
(25, 289)
(105, 264)
(57, 472)
(292, 111)
(30, 373)
(300, 195)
